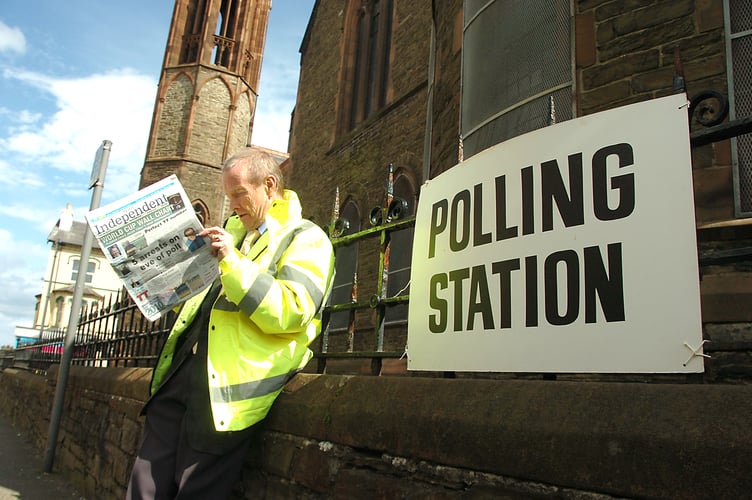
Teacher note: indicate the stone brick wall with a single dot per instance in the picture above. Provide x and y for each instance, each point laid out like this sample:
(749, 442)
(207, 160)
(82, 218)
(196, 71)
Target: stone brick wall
(100, 427)
(357, 162)
(203, 115)
(173, 117)
(332, 436)
(242, 117)
(627, 53)
(445, 102)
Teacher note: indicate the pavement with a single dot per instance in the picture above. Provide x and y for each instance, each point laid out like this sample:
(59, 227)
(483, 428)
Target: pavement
(21, 470)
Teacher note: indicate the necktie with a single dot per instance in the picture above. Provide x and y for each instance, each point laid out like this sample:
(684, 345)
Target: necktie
(248, 241)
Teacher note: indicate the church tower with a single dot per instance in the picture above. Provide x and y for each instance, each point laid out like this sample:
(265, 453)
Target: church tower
(206, 97)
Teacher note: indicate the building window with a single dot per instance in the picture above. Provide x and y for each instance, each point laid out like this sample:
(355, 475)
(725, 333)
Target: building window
(59, 309)
(346, 267)
(400, 250)
(89, 270)
(224, 33)
(202, 211)
(192, 37)
(368, 40)
(516, 69)
(738, 15)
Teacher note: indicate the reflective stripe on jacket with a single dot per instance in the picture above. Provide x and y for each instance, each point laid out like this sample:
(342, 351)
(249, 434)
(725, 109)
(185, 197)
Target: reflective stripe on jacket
(267, 315)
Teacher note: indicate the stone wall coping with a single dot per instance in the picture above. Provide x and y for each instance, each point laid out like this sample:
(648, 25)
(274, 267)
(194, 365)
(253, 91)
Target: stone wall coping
(631, 439)
(132, 383)
(616, 438)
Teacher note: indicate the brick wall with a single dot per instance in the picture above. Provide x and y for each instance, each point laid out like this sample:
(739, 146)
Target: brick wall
(173, 117)
(334, 436)
(357, 162)
(203, 116)
(627, 54)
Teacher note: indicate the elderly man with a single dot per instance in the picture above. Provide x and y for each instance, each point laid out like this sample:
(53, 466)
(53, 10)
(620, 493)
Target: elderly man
(233, 347)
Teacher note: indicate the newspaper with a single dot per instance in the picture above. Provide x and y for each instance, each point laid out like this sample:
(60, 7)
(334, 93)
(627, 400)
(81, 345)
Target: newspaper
(151, 240)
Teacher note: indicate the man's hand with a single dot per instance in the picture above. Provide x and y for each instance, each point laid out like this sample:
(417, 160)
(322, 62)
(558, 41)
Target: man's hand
(221, 241)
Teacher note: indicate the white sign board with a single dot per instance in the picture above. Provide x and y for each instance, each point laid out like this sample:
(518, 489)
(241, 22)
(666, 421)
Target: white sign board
(568, 249)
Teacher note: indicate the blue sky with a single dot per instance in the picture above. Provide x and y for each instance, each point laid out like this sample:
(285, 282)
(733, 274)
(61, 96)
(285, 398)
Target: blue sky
(75, 73)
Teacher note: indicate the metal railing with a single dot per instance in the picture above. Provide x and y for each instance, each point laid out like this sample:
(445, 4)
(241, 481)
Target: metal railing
(116, 334)
(370, 313)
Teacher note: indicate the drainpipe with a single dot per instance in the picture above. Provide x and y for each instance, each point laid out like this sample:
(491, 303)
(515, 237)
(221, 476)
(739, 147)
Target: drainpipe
(429, 104)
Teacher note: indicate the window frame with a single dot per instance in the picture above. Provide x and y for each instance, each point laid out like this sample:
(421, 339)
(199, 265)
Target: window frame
(740, 165)
(346, 258)
(482, 126)
(366, 61)
(91, 269)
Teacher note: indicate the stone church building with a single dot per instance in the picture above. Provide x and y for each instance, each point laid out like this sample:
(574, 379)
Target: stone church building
(417, 86)
(206, 97)
(393, 93)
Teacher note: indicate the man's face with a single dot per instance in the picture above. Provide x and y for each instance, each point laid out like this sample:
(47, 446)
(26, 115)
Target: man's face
(249, 201)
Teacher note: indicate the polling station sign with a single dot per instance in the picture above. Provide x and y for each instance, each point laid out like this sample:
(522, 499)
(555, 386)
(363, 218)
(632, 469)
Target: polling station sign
(567, 249)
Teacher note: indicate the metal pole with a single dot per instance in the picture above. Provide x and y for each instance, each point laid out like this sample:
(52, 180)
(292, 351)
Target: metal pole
(97, 182)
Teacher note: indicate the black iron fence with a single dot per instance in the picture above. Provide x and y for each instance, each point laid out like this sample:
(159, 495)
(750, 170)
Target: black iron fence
(370, 331)
(117, 334)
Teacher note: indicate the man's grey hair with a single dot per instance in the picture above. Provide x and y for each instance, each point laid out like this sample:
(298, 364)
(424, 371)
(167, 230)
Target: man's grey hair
(257, 164)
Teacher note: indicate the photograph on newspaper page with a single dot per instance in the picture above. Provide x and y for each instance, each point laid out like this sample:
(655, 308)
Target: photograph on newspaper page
(151, 240)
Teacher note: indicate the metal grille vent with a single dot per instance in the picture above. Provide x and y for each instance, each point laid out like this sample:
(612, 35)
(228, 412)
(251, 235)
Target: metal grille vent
(516, 56)
(740, 17)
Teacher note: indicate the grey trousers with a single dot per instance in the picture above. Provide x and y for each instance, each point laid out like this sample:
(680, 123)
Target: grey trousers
(166, 466)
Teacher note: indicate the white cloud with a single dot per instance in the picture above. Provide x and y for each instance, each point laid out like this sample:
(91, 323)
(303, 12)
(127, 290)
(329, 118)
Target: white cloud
(116, 106)
(22, 117)
(25, 116)
(22, 272)
(17, 178)
(270, 130)
(40, 219)
(11, 39)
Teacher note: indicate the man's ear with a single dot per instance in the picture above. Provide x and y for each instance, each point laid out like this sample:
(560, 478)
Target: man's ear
(271, 184)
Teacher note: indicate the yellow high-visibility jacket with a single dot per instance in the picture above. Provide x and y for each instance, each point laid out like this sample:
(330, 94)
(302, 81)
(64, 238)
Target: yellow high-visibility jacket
(266, 316)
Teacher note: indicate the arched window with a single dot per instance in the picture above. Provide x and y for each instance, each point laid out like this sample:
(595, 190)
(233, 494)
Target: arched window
(224, 33)
(59, 309)
(400, 250)
(346, 265)
(192, 39)
(202, 211)
(368, 40)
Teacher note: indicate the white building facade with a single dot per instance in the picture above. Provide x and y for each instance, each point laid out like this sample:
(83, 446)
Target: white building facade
(53, 305)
